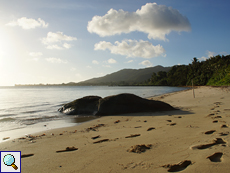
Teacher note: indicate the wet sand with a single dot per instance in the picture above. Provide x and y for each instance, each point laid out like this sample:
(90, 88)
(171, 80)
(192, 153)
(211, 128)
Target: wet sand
(192, 139)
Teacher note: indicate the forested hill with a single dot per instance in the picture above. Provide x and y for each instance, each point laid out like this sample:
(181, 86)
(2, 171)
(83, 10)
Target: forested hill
(214, 71)
(126, 77)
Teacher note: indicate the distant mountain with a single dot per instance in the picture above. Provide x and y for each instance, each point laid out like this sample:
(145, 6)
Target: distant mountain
(125, 76)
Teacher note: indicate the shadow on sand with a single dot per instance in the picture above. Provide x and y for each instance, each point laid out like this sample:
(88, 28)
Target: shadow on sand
(85, 118)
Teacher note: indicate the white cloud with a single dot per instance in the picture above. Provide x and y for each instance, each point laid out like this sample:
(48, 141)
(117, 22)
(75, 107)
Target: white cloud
(53, 39)
(26, 23)
(209, 54)
(57, 37)
(73, 69)
(54, 46)
(88, 66)
(35, 54)
(146, 63)
(67, 46)
(223, 53)
(132, 48)
(155, 20)
(130, 61)
(108, 66)
(112, 61)
(203, 58)
(56, 60)
(95, 62)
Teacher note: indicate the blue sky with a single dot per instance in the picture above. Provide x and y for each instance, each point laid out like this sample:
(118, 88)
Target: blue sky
(57, 41)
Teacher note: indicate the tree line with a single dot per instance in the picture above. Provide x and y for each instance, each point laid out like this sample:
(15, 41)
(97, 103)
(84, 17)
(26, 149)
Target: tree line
(213, 71)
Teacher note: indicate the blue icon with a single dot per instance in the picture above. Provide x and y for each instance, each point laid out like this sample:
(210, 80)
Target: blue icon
(9, 160)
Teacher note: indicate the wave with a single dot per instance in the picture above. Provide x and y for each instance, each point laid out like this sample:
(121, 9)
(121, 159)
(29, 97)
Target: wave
(7, 115)
(18, 107)
(34, 120)
(7, 119)
(32, 112)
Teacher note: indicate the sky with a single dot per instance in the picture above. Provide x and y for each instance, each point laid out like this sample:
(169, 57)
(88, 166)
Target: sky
(61, 41)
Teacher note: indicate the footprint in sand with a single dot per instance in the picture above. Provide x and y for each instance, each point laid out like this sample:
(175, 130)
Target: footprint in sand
(178, 117)
(67, 149)
(217, 117)
(217, 112)
(95, 137)
(216, 121)
(216, 157)
(117, 121)
(224, 133)
(26, 155)
(178, 167)
(218, 103)
(131, 136)
(139, 148)
(151, 128)
(209, 132)
(224, 126)
(210, 115)
(5, 138)
(172, 124)
(100, 141)
(205, 146)
(95, 127)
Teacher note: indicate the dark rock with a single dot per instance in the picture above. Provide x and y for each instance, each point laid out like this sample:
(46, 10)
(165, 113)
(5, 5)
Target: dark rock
(129, 103)
(86, 105)
(113, 105)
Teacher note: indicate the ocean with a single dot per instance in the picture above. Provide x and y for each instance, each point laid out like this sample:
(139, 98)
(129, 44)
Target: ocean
(30, 109)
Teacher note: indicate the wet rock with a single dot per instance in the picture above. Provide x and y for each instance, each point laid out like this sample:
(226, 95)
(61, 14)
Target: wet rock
(86, 105)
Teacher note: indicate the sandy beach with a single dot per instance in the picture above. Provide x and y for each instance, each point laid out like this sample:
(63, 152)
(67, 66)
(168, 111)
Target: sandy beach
(192, 139)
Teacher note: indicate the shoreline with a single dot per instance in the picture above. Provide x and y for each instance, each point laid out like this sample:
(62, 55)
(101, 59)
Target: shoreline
(168, 138)
(174, 92)
(43, 127)
(47, 125)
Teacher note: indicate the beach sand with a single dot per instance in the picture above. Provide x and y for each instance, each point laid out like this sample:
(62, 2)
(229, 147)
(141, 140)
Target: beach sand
(192, 139)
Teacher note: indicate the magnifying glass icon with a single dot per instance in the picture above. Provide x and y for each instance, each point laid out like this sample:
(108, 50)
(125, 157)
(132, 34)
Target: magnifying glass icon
(9, 160)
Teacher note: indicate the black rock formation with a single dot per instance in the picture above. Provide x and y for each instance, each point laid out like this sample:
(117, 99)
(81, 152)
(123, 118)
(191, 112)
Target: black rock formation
(113, 105)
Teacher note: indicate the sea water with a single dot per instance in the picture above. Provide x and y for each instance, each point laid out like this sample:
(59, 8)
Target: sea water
(34, 108)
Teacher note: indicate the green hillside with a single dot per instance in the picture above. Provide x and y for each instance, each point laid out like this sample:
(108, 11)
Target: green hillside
(126, 77)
